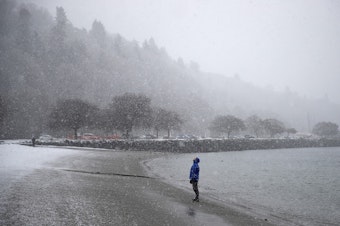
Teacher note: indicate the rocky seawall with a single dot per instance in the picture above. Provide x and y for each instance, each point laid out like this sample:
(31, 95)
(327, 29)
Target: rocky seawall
(202, 145)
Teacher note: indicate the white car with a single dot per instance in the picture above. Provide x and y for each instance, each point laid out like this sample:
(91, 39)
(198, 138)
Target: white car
(45, 138)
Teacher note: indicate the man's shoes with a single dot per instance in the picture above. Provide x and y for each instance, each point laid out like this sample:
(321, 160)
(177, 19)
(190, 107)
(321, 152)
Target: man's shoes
(196, 199)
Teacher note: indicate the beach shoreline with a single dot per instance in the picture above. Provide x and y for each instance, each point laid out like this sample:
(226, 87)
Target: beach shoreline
(179, 200)
(234, 213)
(100, 187)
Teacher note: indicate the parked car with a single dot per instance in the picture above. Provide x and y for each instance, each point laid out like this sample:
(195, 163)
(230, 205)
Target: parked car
(148, 136)
(186, 137)
(45, 137)
(89, 136)
(249, 136)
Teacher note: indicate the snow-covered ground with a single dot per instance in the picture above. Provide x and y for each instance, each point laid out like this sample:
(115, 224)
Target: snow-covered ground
(18, 160)
(35, 189)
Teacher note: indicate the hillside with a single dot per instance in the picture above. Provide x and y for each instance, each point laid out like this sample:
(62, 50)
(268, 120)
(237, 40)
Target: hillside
(45, 58)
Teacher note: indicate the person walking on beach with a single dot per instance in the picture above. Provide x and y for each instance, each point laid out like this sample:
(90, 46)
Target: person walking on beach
(33, 141)
(194, 176)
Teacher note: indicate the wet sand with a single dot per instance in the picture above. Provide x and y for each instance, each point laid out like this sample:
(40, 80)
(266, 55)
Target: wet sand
(105, 187)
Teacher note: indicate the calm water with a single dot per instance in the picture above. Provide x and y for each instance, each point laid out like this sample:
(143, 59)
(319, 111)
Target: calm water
(294, 186)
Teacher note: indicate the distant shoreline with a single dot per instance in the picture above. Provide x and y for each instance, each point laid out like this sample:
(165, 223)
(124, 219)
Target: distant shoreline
(197, 146)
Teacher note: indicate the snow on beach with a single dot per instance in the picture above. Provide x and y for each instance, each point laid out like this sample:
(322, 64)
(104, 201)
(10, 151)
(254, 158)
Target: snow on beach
(18, 160)
(12, 153)
(43, 194)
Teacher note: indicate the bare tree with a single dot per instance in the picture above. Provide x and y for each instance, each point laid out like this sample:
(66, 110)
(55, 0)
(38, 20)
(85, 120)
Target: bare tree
(273, 126)
(254, 124)
(227, 124)
(166, 120)
(130, 110)
(326, 129)
(72, 114)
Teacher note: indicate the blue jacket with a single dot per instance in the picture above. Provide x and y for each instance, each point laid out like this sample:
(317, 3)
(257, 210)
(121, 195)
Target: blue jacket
(195, 170)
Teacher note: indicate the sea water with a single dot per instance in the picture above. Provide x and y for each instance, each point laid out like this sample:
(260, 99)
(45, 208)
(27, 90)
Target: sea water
(294, 186)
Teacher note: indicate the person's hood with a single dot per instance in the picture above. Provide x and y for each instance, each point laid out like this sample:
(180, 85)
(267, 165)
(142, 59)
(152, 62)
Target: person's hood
(196, 160)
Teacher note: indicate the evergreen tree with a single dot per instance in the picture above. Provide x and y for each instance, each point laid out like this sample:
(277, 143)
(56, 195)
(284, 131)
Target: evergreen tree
(24, 31)
(6, 16)
(58, 38)
(98, 32)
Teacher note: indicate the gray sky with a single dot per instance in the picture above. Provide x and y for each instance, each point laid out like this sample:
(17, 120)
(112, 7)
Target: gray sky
(275, 43)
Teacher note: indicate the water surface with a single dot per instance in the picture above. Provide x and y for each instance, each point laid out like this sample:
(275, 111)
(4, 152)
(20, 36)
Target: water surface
(301, 186)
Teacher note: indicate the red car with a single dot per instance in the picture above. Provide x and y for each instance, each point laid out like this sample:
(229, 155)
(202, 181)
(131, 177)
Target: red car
(89, 136)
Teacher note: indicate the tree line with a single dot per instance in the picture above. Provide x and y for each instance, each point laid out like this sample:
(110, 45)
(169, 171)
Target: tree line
(132, 111)
(125, 113)
(228, 124)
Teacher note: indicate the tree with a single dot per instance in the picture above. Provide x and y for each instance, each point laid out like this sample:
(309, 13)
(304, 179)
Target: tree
(24, 33)
(98, 33)
(58, 37)
(291, 131)
(227, 124)
(166, 120)
(254, 124)
(6, 20)
(60, 27)
(118, 44)
(104, 121)
(273, 126)
(130, 110)
(325, 129)
(150, 45)
(3, 110)
(72, 114)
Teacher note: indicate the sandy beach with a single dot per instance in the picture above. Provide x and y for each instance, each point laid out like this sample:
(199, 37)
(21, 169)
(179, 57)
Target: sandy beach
(105, 187)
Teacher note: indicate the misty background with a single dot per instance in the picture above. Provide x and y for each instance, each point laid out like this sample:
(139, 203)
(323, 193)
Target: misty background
(198, 58)
(273, 44)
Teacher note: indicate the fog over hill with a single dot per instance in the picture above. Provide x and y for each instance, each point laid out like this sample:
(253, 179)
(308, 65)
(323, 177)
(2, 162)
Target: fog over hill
(268, 43)
(44, 58)
(234, 96)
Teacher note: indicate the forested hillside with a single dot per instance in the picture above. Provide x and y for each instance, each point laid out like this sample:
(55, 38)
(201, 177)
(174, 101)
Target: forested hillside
(44, 58)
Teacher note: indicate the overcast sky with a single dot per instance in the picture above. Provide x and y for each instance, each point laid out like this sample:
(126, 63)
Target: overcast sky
(283, 43)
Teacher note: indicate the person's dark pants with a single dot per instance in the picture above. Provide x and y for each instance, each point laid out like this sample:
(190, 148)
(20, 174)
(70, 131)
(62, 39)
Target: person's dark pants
(195, 188)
